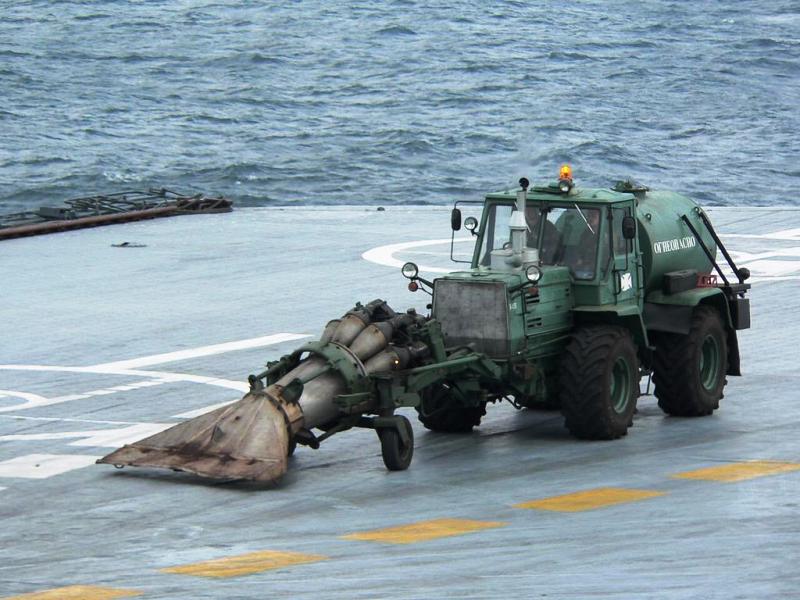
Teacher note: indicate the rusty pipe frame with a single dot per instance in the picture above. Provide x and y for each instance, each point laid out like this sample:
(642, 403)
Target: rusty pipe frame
(176, 207)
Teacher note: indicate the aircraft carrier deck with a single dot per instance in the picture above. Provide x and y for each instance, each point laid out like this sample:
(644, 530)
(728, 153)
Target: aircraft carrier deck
(104, 345)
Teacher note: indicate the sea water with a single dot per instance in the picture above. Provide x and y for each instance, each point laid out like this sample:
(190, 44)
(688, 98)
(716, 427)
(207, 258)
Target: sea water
(390, 102)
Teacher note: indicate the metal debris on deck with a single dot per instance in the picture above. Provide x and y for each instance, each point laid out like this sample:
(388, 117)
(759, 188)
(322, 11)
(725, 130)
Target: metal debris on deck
(93, 211)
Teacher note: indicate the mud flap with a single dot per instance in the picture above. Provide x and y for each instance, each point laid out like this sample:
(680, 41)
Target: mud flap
(246, 440)
(734, 362)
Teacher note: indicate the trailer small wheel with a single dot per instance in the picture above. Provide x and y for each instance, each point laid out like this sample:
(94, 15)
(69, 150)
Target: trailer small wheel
(599, 382)
(689, 370)
(396, 454)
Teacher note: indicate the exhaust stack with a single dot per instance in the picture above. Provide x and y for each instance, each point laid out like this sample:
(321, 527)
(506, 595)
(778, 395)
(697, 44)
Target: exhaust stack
(519, 226)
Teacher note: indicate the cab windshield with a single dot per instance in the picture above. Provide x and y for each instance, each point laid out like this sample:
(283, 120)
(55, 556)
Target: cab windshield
(566, 235)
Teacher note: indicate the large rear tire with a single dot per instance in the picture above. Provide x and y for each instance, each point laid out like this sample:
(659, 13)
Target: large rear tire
(441, 411)
(599, 382)
(689, 370)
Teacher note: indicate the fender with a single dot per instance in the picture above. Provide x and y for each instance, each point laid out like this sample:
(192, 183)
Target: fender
(627, 315)
(672, 313)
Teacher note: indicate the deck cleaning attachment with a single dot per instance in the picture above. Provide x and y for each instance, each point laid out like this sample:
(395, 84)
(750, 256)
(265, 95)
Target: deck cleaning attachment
(326, 385)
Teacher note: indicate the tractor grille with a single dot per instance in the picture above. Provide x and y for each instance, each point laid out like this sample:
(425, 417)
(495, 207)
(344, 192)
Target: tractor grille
(473, 313)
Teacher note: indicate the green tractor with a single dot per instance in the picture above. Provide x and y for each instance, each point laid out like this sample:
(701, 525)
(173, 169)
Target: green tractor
(571, 296)
(592, 289)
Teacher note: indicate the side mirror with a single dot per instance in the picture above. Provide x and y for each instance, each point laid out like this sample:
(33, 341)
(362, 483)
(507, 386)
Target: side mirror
(628, 227)
(455, 219)
(471, 224)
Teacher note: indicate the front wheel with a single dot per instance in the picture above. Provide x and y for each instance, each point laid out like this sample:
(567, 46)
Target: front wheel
(397, 455)
(689, 370)
(599, 382)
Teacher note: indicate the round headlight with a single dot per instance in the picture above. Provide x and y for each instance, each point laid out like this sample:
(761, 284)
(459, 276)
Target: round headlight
(410, 270)
(533, 274)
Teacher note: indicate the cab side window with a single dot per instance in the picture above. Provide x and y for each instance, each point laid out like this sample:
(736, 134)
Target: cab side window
(496, 232)
(621, 245)
(579, 232)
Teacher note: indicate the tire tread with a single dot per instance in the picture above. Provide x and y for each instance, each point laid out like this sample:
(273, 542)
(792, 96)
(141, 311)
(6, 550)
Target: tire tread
(673, 369)
(582, 382)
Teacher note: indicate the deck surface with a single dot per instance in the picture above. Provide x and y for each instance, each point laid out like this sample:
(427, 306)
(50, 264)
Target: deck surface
(104, 345)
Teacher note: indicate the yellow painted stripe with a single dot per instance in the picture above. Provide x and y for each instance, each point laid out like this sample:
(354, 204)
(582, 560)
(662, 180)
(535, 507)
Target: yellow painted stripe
(740, 471)
(423, 531)
(589, 499)
(77, 592)
(245, 564)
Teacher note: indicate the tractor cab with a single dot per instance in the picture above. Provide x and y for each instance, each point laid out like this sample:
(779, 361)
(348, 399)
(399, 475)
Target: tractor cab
(562, 235)
(589, 233)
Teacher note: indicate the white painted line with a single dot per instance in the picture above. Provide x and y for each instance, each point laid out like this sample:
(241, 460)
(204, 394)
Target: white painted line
(67, 420)
(103, 392)
(201, 411)
(241, 386)
(24, 395)
(157, 359)
(146, 384)
(792, 235)
(770, 279)
(168, 377)
(42, 466)
(740, 255)
(36, 401)
(115, 438)
(442, 253)
(384, 255)
(776, 268)
(106, 438)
